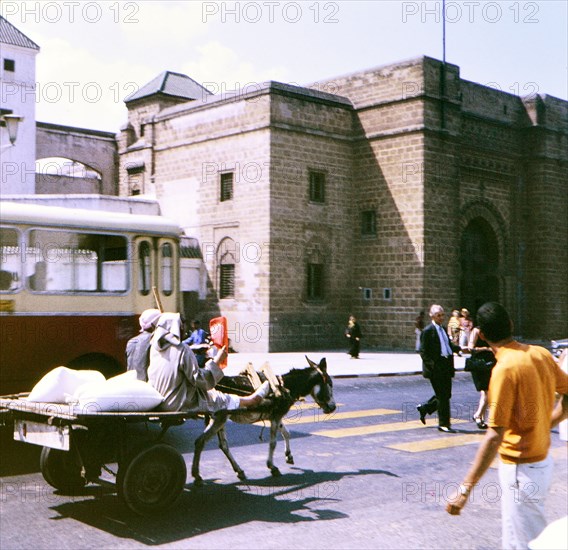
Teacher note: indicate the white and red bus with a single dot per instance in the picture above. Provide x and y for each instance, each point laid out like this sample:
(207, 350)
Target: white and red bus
(72, 285)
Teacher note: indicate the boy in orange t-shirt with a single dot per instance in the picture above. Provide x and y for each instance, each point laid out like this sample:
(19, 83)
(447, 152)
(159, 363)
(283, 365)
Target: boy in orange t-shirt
(522, 400)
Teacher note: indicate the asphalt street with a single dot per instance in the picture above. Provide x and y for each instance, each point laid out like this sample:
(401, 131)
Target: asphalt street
(368, 476)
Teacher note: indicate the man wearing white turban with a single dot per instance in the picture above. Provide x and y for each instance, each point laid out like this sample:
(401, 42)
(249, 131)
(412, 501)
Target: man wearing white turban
(138, 348)
(185, 386)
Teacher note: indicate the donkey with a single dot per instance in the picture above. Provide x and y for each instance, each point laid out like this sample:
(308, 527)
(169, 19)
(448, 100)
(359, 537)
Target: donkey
(297, 383)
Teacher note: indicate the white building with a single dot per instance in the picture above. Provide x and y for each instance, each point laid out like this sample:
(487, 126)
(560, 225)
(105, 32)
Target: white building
(18, 97)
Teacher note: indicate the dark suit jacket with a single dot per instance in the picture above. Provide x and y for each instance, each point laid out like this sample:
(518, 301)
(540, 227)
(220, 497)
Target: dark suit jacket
(431, 352)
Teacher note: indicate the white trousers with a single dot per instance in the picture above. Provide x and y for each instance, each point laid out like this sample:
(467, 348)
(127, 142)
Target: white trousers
(219, 401)
(524, 488)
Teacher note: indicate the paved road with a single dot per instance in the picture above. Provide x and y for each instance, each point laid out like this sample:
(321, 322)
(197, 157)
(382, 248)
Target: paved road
(339, 364)
(368, 476)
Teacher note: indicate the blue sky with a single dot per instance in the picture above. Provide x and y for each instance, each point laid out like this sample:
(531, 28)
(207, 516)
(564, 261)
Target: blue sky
(93, 54)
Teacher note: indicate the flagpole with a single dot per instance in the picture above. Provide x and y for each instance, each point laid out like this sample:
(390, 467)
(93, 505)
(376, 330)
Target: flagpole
(443, 71)
(444, 31)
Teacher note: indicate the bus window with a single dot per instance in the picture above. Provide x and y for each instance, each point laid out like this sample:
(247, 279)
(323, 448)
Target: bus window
(9, 259)
(167, 271)
(67, 261)
(71, 287)
(144, 276)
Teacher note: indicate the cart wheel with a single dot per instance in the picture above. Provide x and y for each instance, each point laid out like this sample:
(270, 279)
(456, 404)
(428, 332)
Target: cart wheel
(61, 470)
(152, 480)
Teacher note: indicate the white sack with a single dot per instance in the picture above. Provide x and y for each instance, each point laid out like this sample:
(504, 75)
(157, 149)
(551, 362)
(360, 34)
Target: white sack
(61, 382)
(123, 393)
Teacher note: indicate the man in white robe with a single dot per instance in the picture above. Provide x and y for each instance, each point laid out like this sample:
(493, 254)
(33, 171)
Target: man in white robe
(174, 372)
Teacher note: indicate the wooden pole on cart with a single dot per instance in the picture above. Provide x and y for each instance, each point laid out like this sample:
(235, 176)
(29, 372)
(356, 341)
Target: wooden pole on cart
(272, 380)
(253, 375)
(157, 299)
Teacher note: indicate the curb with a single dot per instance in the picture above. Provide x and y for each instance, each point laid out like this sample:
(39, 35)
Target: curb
(376, 375)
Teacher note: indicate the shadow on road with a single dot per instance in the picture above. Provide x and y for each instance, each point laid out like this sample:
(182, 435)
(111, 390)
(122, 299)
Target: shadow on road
(17, 458)
(302, 496)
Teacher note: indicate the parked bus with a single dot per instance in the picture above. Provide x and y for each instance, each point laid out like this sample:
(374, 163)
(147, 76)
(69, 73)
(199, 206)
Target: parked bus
(72, 285)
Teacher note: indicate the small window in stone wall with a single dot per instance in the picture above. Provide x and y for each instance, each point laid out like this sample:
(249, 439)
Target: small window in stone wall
(9, 65)
(317, 186)
(226, 262)
(369, 222)
(226, 192)
(315, 281)
(135, 173)
(227, 281)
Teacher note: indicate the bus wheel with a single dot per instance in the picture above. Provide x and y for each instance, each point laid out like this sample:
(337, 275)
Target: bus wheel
(62, 470)
(152, 480)
(97, 361)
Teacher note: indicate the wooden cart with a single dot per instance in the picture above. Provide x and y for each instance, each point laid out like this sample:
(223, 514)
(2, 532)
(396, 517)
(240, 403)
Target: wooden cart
(76, 446)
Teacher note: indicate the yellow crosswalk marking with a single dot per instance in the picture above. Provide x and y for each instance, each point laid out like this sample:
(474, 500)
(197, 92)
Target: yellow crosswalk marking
(319, 416)
(438, 443)
(305, 416)
(376, 428)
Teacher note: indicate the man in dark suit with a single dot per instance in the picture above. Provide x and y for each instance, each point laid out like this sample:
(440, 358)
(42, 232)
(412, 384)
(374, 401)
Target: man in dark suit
(437, 352)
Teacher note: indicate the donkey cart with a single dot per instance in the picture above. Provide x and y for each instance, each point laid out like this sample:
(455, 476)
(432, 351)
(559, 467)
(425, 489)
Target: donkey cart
(77, 446)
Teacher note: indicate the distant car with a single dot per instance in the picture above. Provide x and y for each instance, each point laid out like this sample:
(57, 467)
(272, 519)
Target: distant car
(558, 346)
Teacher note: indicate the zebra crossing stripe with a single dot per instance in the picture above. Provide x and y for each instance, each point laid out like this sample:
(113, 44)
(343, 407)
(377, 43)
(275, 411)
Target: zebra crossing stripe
(317, 415)
(306, 415)
(438, 443)
(378, 428)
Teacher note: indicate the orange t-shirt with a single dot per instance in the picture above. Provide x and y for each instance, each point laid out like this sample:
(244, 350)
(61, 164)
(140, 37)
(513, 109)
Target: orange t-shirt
(521, 400)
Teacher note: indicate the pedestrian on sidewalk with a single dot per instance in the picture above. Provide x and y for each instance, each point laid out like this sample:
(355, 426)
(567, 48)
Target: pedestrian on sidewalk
(523, 411)
(353, 332)
(466, 326)
(480, 364)
(437, 354)
(454, 327)
(419, 324)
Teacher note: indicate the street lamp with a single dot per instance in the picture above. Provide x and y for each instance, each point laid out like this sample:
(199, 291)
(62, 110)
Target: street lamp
(12, 122)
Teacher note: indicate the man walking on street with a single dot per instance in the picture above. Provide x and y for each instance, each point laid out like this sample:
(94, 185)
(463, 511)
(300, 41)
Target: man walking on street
(437, 354)
(521, 398)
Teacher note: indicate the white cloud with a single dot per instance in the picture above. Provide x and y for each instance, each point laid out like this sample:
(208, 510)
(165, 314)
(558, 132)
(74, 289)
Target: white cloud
(76, 88)
(170, 23)
(134, 41)
(220, 69)
(85, 71)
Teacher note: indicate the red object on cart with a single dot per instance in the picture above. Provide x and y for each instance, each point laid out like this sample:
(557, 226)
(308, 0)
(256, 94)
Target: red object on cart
(219, 335)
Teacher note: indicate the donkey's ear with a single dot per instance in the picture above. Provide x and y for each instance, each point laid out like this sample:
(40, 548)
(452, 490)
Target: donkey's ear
(310, 362)
(323, 364)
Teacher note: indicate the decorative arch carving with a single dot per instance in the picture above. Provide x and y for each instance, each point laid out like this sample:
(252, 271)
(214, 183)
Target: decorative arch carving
(490, 214)
(483, 254)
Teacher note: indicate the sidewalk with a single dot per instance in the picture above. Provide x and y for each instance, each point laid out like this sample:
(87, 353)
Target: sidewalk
(339, 364)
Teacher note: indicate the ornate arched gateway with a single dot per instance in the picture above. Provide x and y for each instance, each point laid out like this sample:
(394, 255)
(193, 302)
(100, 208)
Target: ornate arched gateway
(480, 264)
